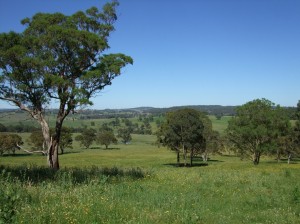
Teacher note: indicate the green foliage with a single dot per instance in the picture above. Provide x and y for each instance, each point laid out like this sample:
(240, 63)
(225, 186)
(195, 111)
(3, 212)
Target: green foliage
(9, 143)
(125, 134)
(183, 129)
(106, 138)
(87, 137)
(36, 140)
(66, 139)
(12, 194)
(59, 57)
(256, 128)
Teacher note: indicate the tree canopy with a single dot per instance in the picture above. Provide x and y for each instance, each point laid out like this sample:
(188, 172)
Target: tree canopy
(182, 131)
(59, 58)
(256, 128)
(106, 138)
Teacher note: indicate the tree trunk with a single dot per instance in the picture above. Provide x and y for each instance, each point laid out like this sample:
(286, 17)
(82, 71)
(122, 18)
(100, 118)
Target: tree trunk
(178, 157)
(53, 155)
(53, 145)
(278, 156)
(256, 158)
(289, 157)
(204, 157)
(184, 154)
(191, 158)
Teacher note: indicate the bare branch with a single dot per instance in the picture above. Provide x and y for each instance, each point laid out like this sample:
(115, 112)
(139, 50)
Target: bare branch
(32, 152)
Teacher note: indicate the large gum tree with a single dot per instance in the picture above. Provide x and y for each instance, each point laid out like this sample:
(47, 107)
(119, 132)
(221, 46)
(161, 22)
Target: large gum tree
(256, 128)
(58, 58)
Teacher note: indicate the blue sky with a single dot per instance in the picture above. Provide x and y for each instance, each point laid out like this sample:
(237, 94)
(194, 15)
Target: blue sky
(192, 52)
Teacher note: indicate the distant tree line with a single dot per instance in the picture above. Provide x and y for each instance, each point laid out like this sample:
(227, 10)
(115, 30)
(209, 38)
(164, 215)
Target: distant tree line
(18, 128)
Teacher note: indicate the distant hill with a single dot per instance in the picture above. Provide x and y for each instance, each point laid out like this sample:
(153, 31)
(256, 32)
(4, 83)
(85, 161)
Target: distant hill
(132, 112)
(208, 109)
(137, 111)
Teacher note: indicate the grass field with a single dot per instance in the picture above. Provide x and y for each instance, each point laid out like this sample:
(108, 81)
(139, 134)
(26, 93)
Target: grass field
(141, 184)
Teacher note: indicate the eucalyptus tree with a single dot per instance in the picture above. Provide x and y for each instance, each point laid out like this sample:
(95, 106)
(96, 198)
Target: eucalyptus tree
(182, 131)
(106, 138)
(212, 139)
(256, 128)
(86, 137)
(59, 58)
(125, 134)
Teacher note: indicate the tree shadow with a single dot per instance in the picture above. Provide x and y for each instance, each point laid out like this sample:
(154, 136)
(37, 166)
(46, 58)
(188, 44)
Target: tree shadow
(199, 159)
(32, 174)
(114, 148)
(69, 152)
(21, 155)
(229, 156)
(187, 165)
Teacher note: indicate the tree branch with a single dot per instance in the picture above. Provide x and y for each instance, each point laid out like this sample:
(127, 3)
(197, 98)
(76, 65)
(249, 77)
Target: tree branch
(31, 152)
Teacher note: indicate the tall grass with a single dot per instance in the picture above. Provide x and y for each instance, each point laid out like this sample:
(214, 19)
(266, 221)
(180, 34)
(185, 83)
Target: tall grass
(100, 186)
(232, 192)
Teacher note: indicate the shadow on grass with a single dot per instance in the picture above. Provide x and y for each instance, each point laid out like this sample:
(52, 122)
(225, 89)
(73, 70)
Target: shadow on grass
(199, 159)
(283, 161)
(187, 165)
(97, 147)
(233, 156)
(67, 176)
(111, 148)
(69, 152)
(19, 155)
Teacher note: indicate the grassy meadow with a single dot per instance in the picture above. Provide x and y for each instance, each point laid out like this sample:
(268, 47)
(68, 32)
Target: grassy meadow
(140, 183)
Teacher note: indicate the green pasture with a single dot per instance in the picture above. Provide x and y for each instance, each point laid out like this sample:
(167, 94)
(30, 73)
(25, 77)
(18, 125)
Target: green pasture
(74, 121)
(140, 183)
(225, 190)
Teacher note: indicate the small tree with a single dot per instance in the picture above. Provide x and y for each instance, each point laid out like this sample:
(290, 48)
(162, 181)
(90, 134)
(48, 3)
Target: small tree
(125, 134)
(106, 138)
(86, 138)
(9, 142)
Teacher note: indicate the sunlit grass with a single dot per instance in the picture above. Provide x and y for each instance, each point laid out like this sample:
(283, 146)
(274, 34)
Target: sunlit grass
(227, 190)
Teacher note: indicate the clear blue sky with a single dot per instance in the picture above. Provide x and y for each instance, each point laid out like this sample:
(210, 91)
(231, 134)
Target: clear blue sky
(192, 52)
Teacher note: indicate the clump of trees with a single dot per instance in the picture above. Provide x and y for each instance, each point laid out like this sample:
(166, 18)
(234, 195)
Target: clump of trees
(104, 137)
(17, 128)
(188, 131)
(260, 127)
